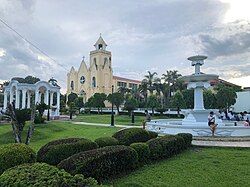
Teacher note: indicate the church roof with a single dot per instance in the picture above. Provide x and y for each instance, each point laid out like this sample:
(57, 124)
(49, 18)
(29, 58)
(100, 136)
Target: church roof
(126, 79)
(100, 41)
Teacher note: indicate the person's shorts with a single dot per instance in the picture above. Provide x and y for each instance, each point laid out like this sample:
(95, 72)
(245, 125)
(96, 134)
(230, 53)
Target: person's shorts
(211, 123)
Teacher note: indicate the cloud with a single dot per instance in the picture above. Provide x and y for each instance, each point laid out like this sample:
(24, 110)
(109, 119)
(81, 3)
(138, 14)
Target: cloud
(142, 35)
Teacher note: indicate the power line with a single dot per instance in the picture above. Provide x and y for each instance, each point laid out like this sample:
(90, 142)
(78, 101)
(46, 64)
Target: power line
(33, 45)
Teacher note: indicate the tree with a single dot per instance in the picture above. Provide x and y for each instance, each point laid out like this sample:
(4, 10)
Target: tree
(153, 103)
(41, 108)
(150, 79)
(72, 109)
(97, 100)
(171, 78)
(225, 96)
(117, 99)
(18, 119)
(188, 96)
(143, 89)
(130, 105)
(1, 99)
(177, 101)
(29, 79)
(209, 99)
(72, 97)
(79, 103)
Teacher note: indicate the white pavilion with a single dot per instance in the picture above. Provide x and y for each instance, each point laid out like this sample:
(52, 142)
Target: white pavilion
(20, 94)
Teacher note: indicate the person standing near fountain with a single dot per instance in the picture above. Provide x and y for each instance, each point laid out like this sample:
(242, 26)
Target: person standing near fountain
(147, 119)
(211, 122)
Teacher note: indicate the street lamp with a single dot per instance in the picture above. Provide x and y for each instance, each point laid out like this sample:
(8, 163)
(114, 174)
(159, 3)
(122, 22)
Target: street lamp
(112, 108)
(48, 117)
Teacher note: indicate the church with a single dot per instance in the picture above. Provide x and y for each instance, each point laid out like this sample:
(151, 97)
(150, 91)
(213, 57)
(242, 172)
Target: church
(97, 76)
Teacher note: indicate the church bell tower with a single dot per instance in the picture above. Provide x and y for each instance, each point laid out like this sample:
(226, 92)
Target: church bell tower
(101, 73)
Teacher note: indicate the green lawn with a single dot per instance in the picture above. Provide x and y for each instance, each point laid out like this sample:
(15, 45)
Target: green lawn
(105, 118)
(195, 167)
(198, 167)
(55, 130)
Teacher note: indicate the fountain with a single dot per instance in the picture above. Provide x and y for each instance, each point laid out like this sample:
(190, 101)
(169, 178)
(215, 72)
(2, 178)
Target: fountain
(195, 120)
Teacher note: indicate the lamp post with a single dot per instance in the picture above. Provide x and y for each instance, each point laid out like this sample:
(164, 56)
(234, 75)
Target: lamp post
(48, 117)
(112, 108)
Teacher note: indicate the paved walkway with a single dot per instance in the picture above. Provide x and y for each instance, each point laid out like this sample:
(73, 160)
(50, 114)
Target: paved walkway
(222, 143)
(104, 125)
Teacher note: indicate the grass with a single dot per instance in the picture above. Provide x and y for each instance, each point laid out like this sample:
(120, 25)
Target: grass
(105, 119)
(196, 167)
(56, 130)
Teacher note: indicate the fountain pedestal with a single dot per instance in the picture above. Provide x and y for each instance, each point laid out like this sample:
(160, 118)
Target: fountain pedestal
(196, 120)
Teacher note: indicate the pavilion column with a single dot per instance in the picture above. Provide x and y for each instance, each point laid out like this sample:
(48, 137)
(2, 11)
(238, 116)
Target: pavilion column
(28, 99)
(11, 96)
(17, 99)
(24, 98)
(58, 103)
(51, 98)
(5, 99)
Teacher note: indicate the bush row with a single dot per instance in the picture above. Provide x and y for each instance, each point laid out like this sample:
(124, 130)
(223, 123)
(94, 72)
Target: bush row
(41, 175)
(102, 163)
(133, 135)
(167, 146)
(15, 154)
(54, 152)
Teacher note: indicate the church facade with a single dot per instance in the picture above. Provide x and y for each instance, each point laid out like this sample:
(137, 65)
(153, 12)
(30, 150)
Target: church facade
(97, 77)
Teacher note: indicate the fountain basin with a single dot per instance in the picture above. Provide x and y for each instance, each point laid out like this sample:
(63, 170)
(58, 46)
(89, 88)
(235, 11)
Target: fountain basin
(199, 77)
(176, 126)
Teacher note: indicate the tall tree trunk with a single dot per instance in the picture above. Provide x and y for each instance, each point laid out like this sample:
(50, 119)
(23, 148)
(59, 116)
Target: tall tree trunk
(31, 127)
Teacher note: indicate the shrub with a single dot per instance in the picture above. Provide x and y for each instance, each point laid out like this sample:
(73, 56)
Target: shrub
(106, 141)
(41, 174)
(102, 163)
(153, 134)
(187, 138)
(39, 119)
(131, 135)
(163, 147)
(15, 154)
(22, 115)
(58, 150)
(142, 150)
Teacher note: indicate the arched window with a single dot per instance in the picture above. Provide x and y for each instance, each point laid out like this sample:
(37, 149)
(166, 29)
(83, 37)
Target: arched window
(93, 82)
(72, 85)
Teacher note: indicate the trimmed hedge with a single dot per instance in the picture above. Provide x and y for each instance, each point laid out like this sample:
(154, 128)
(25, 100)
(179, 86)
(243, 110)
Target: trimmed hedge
(131, 135)
(103, 163)
(106, 141)
(41, 174)
(153, 134)
(15, 154)
(187, 137)
(166, 146)
(142, 150)
(54, 152)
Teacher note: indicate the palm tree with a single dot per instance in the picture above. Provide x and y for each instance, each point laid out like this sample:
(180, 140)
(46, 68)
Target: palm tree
(143, 89)
(123, 90)
(150, 80)
(170, 78)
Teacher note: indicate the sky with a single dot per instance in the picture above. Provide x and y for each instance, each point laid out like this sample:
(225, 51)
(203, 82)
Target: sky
(142, 35)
